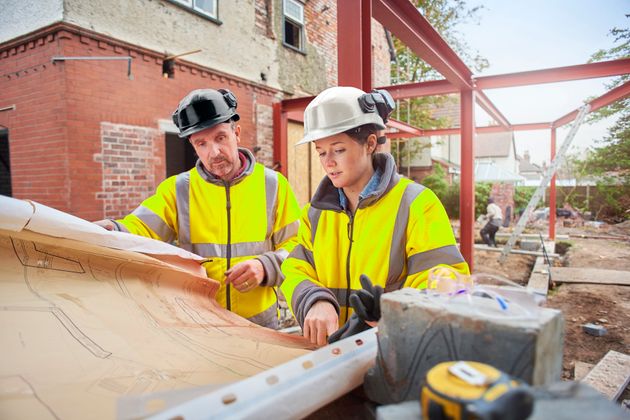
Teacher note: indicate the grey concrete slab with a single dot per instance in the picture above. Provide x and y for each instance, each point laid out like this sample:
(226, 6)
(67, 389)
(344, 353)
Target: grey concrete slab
(539, 277)
(417, 332)
(611, 375)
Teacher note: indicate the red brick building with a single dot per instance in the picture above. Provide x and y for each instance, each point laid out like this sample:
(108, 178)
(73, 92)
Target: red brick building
(81, 134)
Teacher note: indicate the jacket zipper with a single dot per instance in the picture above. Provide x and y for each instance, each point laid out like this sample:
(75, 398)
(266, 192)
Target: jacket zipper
(350, 234)
(228, 207)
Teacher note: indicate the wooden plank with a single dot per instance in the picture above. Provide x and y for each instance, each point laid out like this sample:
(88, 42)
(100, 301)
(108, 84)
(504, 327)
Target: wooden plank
(611, 375)
(590, 275)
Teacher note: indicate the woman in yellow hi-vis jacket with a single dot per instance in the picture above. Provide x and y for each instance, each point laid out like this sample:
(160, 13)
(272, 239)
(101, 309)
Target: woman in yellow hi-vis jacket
(240, 215)
(363, 219)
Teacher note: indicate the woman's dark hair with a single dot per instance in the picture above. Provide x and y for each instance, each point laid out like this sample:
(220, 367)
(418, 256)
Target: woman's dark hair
(362, 132)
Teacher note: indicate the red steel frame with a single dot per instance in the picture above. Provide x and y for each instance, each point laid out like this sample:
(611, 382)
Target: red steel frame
(404, 21)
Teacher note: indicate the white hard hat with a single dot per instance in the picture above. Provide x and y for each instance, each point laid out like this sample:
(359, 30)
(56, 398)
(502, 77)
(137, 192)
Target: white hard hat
(335, 110)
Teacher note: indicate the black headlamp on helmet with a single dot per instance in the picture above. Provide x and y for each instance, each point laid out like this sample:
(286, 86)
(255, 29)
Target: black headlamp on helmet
(379, 101)
(204, 108)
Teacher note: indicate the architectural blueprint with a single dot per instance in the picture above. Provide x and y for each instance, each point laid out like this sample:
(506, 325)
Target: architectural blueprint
(83, 324)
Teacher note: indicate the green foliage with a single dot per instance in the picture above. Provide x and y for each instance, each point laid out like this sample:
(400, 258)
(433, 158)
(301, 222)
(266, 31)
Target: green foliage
(482, 193)
(522, 195)
(437, 182)
(445, 16)
(610, 161)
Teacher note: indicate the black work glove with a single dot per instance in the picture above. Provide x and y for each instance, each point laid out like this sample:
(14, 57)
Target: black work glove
(367, 307)
(353, 326)
(367, 301)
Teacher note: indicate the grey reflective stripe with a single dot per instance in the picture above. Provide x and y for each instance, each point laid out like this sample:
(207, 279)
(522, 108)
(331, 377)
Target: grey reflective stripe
(182, 189)
(394, 286)
(155, 223)
(313, 217)
(421, 261)
(340, 294)
(303, 254)
(267, 318)
(271, 192)
(286, 232)
(397, 252)
(241, 249)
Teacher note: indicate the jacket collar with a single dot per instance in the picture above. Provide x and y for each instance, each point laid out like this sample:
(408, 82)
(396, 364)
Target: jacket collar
(327, 196)
(244, 155)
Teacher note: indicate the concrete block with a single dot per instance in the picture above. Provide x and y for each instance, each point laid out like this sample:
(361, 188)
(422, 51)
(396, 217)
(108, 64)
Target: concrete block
(408, 410)
(416, 332)
(530, 245)
(594, 329)
(611, 375)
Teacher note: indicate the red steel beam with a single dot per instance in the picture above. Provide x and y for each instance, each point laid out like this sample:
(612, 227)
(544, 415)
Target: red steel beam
(479, 130)
(552, 190)
(487, 105)
(418, 89)
(607, 98)
(280, 138)
(557, 74)
(467, 178)
(354, 43)
(296, 104)
(404, 21)
(404, 128)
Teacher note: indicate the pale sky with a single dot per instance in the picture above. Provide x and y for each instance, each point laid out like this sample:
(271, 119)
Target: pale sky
(518, 36)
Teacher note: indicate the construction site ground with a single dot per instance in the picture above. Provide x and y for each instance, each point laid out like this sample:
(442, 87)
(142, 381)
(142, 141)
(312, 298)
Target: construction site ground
(603, 247)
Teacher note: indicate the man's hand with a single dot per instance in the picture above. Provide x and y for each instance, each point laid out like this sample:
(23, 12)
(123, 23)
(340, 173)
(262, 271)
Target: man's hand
(106, 224)
(246, 275)
(320, 322)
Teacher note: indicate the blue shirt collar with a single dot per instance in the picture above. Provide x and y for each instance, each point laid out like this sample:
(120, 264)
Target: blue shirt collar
(371, 187)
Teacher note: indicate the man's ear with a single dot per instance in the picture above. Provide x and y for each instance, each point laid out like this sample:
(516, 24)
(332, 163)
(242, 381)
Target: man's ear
(237, 133)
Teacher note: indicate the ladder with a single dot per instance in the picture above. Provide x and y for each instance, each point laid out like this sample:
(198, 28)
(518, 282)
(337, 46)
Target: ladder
(553, 167)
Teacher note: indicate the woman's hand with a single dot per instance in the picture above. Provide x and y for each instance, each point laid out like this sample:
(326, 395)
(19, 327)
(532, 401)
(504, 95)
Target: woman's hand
(320, 322)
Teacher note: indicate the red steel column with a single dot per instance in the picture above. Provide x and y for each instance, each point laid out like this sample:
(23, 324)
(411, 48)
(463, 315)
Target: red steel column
(280, 138)
(552, 190)
(354, 43)
(467, 178)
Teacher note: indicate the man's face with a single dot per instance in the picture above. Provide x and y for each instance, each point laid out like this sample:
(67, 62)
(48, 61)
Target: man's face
(217, 148)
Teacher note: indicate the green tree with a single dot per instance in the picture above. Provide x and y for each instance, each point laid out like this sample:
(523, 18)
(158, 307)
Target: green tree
(610, 160)
(445, 16)
(437, 182)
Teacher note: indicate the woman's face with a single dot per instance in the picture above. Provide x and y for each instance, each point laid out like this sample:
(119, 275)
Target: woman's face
(347, 163)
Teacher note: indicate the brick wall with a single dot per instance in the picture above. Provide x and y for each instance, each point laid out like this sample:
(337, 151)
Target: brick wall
(56, 130)
(130, 165)
(503, 195)
(36, 128)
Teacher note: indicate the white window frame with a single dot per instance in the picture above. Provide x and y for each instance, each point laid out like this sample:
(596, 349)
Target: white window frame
(295, 20)
(192, 5)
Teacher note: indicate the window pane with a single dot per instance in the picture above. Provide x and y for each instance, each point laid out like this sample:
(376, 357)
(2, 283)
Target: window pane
(294, 10)
(207, 6)
(292, 34)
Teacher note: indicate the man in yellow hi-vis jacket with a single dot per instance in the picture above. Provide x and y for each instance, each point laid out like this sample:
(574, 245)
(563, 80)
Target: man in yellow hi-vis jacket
(363, 219)
(240, 215)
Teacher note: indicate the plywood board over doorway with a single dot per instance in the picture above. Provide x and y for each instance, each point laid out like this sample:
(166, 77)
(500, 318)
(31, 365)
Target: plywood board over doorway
(304, 170)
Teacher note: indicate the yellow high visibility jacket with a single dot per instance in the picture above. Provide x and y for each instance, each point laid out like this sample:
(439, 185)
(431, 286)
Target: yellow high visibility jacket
(255, 215)
(398, 232)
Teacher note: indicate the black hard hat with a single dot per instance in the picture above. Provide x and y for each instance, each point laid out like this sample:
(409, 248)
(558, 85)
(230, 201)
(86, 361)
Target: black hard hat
(204, 108)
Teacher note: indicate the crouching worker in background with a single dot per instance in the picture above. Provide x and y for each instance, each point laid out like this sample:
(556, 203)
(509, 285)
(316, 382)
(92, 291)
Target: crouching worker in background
(240, 215)
(364, 219)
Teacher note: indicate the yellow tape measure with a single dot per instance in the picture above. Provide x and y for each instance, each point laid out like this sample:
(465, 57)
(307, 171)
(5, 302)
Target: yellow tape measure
(472, 390)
